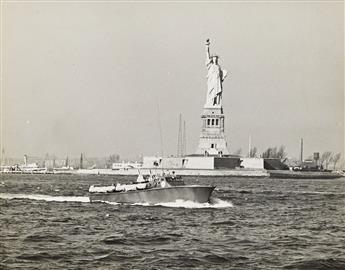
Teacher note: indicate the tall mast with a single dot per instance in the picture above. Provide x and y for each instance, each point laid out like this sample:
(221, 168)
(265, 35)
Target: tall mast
(184, 141)
(81, 161)
(179, 138)
(249, 146)
(3, 160)
(160, 130)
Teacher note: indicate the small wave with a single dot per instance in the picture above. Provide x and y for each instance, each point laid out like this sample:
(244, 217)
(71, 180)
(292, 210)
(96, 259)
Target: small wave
(39, 256)
(318, 264)
(306, 192)
(48, 198)
(318, 192)
(224, 222)
(115, 240)
(38, 237)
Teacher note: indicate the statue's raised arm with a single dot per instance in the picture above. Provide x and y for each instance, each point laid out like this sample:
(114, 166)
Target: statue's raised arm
(208, 58)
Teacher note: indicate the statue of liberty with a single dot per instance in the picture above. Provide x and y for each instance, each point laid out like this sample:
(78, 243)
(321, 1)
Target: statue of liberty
(215, 78)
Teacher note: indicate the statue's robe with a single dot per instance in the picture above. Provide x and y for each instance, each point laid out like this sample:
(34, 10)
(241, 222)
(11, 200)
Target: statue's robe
(215, 77)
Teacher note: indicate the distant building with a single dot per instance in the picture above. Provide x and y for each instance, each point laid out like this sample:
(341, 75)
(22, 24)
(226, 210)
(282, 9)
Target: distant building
(126, 165)
(192, 162)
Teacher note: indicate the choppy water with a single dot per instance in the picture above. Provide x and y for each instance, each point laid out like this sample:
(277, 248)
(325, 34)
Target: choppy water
(47, 222)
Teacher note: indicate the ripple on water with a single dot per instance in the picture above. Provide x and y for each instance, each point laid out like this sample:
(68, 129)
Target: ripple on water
(318, 264)
(43, 237)
(140, 240)
(39, 256)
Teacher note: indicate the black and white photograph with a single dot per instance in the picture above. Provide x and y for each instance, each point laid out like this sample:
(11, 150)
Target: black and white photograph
(172, 135)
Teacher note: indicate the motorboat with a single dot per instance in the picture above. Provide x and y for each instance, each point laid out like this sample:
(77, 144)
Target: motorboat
(152, 189)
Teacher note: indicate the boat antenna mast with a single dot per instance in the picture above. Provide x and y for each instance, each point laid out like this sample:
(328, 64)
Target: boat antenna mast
(161, 136)
(180, 138)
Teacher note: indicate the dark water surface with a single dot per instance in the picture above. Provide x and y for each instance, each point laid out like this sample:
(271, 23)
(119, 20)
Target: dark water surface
(47, 223)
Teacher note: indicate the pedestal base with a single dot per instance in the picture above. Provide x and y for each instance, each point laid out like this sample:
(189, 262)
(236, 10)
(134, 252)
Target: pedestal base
(212, 138)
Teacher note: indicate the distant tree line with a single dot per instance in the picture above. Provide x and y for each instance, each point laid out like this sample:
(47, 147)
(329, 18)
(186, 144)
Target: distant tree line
(270, 152)
(275, 152)
(253, 152)
(112, 159)
(82, 162)
(328, 157)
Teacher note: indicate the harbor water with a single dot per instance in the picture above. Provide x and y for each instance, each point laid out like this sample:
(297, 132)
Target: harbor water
(47, 222)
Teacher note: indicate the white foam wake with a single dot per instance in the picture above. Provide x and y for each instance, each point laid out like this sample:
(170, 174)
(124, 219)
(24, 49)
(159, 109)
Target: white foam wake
(215, 203)
(47, 198)
(112, 203)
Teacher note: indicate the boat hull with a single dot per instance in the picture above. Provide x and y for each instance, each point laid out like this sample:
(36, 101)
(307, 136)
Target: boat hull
(200, 194)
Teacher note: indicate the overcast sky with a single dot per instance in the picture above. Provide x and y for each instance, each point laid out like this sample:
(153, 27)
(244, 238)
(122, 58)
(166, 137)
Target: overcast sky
(89, 77)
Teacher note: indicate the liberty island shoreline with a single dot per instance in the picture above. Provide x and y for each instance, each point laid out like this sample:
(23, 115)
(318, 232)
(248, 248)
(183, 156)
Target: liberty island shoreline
(182, 172)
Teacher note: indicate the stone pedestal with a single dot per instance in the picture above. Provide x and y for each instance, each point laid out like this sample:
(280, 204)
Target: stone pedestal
(212, 138)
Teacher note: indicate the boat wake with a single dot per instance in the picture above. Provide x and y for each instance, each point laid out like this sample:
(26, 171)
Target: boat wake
(214, 203)
(48, 198)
